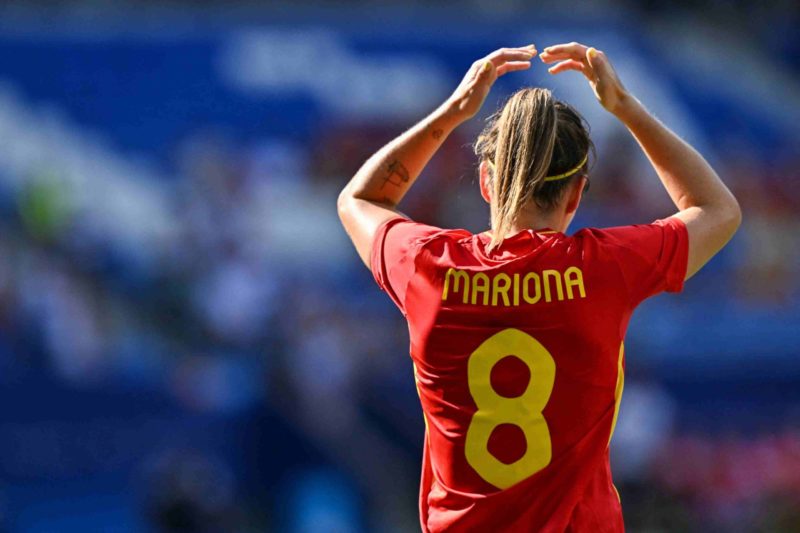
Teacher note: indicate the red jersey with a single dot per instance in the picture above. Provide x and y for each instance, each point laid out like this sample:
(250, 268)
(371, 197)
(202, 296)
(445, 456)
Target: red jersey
(518, 357)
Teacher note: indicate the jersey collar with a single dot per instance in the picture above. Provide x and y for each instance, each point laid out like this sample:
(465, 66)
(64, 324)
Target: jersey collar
(513, 244)
(531, 232)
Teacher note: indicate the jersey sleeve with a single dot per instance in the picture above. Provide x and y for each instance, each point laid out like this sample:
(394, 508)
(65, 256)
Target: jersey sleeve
(652, 257)
(394, 249)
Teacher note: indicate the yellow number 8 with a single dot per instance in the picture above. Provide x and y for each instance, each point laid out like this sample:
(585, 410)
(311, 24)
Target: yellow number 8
(524, 411)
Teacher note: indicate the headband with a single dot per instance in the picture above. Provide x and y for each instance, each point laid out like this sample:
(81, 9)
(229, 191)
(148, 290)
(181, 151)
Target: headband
(569, 172)
(565, 174)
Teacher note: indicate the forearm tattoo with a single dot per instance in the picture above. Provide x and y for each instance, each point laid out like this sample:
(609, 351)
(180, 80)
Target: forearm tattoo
(397, 174)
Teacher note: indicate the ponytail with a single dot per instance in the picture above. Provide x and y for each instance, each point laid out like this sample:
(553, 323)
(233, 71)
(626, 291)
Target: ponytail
(532, 137)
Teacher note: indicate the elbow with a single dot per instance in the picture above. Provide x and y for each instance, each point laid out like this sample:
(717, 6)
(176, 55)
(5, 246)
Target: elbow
(728, 213)
(344, 203)
(721, 218)
(734, 215)
(727, 218)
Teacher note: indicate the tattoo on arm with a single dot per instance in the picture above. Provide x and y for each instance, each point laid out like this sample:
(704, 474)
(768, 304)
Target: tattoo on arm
(437, 133)
(397, 174)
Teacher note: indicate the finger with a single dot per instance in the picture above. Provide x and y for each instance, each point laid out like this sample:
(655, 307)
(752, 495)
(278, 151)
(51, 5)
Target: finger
(569, 64)
(597, 60)
(530, 49)
(487, 73)
(512, 66)
(552, 58)
(479, 70)
(569, 50)
(484, 79)
(578, 66)
(511, 54)
(566, 47)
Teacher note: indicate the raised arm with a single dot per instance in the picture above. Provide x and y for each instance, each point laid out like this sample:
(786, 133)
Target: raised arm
(372, 195)
(707, 207)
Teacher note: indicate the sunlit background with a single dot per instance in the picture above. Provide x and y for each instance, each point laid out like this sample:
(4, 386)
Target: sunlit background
(188, 342)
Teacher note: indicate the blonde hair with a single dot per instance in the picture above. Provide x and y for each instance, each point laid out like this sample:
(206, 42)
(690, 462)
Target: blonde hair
(532, 137)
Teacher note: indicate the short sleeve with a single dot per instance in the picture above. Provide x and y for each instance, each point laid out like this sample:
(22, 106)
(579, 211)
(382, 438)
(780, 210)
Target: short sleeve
(652, 257)
(394, 249)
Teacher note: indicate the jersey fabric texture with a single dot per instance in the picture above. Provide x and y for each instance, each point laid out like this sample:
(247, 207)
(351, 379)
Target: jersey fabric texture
(518, 359)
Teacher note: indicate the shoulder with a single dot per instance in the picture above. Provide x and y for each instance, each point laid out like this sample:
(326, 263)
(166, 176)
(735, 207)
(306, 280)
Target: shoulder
(631, 236)
(652, 257)
(402, 240)
(414, 234)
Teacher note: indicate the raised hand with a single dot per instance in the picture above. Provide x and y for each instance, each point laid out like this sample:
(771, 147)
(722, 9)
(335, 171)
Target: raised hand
(593, 64)
(468, 97)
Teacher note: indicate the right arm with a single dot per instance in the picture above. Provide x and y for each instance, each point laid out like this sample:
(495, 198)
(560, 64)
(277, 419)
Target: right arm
(706, 206)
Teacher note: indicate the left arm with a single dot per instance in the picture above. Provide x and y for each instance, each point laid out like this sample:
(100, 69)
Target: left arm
(372, 195)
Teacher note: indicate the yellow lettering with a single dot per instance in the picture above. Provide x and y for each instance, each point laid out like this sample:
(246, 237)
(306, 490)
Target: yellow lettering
(497, 289)
(556, 275)
(475, 288)
(573, 277)
(525, 288)
(456, 275)
(480, 283)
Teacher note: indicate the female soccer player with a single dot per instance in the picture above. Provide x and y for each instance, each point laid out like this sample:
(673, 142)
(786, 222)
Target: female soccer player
(517, 332)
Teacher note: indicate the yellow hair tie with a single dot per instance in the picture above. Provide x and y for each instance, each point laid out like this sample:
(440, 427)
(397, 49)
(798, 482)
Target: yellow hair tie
(569, 172)
(560, 176)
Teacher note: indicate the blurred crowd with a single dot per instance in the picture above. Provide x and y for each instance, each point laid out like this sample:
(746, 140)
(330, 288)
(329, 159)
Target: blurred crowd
(226, 327)
(252, 307)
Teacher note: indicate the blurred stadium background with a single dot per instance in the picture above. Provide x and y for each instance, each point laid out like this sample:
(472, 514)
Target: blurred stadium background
(188, 342)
